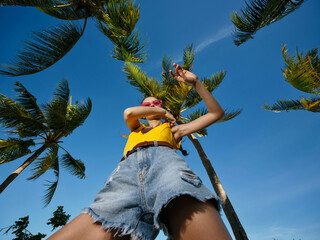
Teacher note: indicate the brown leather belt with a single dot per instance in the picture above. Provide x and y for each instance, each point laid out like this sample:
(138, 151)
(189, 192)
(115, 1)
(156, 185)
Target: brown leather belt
(146, 144)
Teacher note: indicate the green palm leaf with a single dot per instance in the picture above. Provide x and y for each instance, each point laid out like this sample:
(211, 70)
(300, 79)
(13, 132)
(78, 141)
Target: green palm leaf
(258, 14)
(32, 3)
(167, 80)
(56, 110)
(129, 48)
(188, 57)
(75, 167)
(41, 165)
(65, 13)
(48, 47)
(303, 72)
(76, 115)
(121, 18)
(175, 99)
(29, 102)
(52, 186)
(14, 116)
(14, 148)
(312, 104)
(211, 84)
(137, 78)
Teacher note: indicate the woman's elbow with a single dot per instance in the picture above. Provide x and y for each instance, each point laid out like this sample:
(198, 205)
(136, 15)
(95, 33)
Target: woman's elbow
(127, 113)
(222, 114)
(216, 116)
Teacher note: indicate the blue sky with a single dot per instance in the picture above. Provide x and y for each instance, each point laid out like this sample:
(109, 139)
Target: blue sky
(267, 162)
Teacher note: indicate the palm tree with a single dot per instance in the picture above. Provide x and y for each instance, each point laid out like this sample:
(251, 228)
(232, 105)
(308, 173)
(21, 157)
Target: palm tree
(178, 98)
(303, 73)
(115, 18)
(29, 126)
(258, 14)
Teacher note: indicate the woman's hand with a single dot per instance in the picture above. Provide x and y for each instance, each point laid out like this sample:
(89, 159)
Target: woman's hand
(168, 117)
(184, 75)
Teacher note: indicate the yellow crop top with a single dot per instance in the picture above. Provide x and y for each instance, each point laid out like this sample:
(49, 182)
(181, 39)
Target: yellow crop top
(159, 133)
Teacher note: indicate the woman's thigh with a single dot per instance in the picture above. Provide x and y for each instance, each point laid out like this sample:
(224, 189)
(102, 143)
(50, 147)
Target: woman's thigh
(83, 228)
(188, 218)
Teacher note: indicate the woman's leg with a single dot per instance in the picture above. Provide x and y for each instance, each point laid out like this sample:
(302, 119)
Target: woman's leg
(188, 218)
(83, 228)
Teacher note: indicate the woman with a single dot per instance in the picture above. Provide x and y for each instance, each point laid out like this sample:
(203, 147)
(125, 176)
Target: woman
(152, 187)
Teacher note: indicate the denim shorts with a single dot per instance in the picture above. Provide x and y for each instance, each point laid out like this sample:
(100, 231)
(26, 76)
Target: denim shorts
(140, 187)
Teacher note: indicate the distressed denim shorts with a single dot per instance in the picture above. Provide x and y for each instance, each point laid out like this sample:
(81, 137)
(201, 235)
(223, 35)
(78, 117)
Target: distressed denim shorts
(140, 187)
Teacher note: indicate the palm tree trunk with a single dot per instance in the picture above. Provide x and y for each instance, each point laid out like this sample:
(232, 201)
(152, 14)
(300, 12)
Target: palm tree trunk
(15, 174)
(231, 215)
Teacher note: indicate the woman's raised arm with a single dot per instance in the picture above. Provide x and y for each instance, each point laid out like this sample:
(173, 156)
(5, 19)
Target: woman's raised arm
(215, 111)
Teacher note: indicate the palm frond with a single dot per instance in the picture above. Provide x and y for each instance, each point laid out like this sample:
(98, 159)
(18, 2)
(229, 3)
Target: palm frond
(174, 100)
(32, 3)
(52, 186)
(258, 14)
(211, 84)
(129, 48)
(65, 13)
(121, 18)
(214, 81)
(76, 115)
(75, 167)
(311, 104)
(14, 116)
(56, 110)
(48, 47)
(29, 102)
(284, 105)
(14, 148)
(41, 165)
(188, 57)
(167, 80)
(137, 78)
(303, 72)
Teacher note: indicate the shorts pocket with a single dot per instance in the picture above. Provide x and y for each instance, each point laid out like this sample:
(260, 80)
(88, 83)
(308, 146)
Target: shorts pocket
(189, 176)
(111, 175)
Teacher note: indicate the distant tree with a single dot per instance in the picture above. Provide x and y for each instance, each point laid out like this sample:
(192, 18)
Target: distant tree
(178, 98)
(19, 228)
(32, 126)
(60, 218)
(115, 18)
(258, 14)
(303, 73)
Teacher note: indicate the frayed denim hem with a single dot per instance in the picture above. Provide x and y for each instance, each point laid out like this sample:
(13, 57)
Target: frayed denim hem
(121, 229)
(159, 225)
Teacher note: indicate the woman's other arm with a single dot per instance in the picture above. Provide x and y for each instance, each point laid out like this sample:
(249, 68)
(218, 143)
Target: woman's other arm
(132, 115)
(215, 111)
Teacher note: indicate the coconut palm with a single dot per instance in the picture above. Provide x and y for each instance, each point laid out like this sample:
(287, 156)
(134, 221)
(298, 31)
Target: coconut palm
(258, 14)
(35, 131)
(303, 73)
(115, 18)
(177, 98)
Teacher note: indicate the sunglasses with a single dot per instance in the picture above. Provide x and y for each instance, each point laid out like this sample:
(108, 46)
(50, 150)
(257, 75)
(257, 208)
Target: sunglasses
(157, 103)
